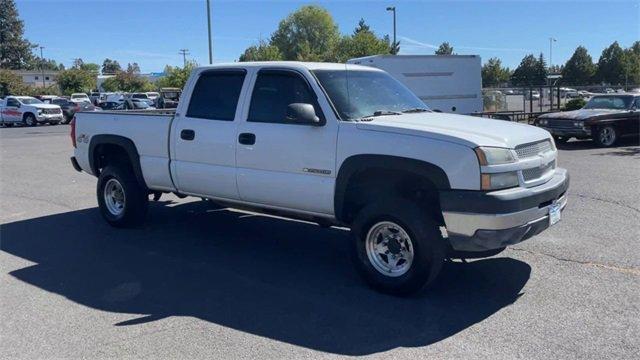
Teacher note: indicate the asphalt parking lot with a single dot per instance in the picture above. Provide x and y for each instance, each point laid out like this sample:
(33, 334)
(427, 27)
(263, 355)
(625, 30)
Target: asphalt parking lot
(200, 282)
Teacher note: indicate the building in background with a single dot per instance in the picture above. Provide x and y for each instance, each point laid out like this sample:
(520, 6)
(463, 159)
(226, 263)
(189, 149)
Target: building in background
(34, 77)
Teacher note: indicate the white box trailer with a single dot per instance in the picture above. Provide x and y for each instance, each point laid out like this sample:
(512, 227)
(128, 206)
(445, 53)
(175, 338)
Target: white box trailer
(447, 83)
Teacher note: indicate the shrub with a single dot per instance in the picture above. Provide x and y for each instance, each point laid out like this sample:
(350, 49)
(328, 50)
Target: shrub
(574, 104)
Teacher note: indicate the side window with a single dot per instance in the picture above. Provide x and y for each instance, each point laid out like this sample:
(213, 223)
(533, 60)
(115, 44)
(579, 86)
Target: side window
(273, 91)
(637, 103)
(215, 95)
(12, 102)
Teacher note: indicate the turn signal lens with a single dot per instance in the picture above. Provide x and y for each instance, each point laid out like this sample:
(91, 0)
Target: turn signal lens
(499, 180)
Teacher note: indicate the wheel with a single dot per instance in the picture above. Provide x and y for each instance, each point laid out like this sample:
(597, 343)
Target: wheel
(606, 136)
(65, 120)
(397, 246)
(30, 120)
(560, 139)
(122, 201)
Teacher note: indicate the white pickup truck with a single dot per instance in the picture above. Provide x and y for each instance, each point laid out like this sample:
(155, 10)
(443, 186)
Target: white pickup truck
(334, 144)
(28, 111)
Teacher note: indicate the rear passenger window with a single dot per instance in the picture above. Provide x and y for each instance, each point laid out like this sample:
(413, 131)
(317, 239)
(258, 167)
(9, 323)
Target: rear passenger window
(215, 95)
(274, 91)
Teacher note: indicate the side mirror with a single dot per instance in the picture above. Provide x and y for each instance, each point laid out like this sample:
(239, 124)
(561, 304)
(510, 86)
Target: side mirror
(299, 113)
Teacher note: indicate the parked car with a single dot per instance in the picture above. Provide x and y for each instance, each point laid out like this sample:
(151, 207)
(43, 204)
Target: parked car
(80, 97)
(69, 108)
(169, 98)
(94, 98)
(346, 145)
(152, 95)
(532, 95)
(605, 119)
(29, 111)
(142, 97)
(111, 105)
(135, 104)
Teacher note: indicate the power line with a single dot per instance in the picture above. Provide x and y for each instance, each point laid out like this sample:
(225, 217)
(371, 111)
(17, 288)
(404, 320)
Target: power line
(184, 53)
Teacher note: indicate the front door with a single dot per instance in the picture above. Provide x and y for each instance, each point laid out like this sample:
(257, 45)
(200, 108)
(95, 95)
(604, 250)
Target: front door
(204, 136)
(280, 163)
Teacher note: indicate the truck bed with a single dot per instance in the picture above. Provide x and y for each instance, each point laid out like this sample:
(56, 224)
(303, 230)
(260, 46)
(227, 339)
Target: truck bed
(136, 126)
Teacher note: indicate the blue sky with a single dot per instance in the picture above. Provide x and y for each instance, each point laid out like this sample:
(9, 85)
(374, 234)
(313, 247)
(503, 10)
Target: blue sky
(151, 32)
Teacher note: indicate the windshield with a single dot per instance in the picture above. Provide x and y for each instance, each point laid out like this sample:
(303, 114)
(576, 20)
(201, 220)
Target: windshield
(609, 102)
(171, 95)
(140, 105)
(29, 101)
(360, 93)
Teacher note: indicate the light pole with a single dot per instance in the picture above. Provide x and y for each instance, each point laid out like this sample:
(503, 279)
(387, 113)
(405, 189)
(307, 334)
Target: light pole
(393, 9)
(209, 29)
(551, 41)
(42, 65)
(184, 53)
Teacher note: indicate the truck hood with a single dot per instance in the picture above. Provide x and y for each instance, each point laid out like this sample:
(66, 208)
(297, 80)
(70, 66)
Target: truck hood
(470, 131)
(581, 114)
(44, 106)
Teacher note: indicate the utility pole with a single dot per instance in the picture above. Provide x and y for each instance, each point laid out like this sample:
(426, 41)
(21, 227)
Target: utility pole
(42, 65)
(551, 41)
(209, 31)
(393, 9)
(184, 53)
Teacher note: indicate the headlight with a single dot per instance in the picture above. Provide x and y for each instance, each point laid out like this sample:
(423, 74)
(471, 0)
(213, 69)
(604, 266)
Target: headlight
(499, 180)
(577, 123)
(542, 122)
(494, 156)
(39, 111)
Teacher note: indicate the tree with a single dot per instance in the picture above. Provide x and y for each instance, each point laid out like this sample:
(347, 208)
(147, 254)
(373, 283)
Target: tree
(308, 34)
(77, 63)
(531, 71)
(110, 67)
(128, 81)
(15, 50)
(37, 63)
(632, 64)
(493, 74)
(10, 83)
(176, 76)
(91, 67)
(611, 65)
(76, 80)
(133, 68)
(445, 49)
(363, 42)
(579, 69)
(261, 52)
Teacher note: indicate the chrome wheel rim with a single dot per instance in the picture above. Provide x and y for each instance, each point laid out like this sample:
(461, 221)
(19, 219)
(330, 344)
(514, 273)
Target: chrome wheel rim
(607, 136)
(389, 249)
(30, 120)
(114, 197)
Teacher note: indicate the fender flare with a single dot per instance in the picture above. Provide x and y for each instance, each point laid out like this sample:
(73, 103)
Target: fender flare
(126, 144)
(358, 163)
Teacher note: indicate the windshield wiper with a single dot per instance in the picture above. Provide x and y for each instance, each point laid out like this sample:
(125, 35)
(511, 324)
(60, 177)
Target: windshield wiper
(415, 110)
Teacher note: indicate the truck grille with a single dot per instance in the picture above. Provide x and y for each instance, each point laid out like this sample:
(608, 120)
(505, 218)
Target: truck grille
(533, 149)
(51, 111)
(559, 124)
(536, 173)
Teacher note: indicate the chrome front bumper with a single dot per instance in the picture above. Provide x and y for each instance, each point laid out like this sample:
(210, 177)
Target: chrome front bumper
(484, 221)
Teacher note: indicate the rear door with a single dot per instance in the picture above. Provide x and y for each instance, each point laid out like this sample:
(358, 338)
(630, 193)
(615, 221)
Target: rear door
(11, 111)
(203, 137)
(283, 164)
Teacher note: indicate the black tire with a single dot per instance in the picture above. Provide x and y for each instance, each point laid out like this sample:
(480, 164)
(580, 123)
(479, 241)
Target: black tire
(30, 120)
(560, 139)
(427, 242)
(606, 136)
(135, 201)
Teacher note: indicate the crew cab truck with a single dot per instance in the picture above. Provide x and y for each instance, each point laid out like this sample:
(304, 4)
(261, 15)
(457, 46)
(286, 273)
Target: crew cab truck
(28, 111)
(334, 144)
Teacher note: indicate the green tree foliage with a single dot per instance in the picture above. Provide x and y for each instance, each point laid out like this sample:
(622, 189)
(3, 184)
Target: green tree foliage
(493, 74)
(531, 71)
(110, 67)
(37, 63)
(632, 64)
(308, 34)
(363, 42)
(611, 65)
(127, 81)
(10, 83)
(15, 50)
(574, 104)
(76, 80)
(261, 52)
(176, 76)
(91, 67)
(133, 68)
(579, 69)
(444, 49)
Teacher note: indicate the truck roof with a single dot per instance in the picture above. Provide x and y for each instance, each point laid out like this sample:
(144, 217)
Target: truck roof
(291, 65)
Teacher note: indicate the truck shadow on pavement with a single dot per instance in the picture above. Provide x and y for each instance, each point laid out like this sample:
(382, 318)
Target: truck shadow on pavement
(285, 280)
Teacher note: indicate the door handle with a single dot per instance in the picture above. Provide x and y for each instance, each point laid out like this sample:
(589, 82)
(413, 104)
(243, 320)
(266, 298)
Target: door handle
(187, 134)
(247, 138)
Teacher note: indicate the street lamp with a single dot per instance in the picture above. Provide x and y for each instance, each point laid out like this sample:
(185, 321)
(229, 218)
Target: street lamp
(209, 29)
(551, 41)
(42, 65)
(393, 9)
